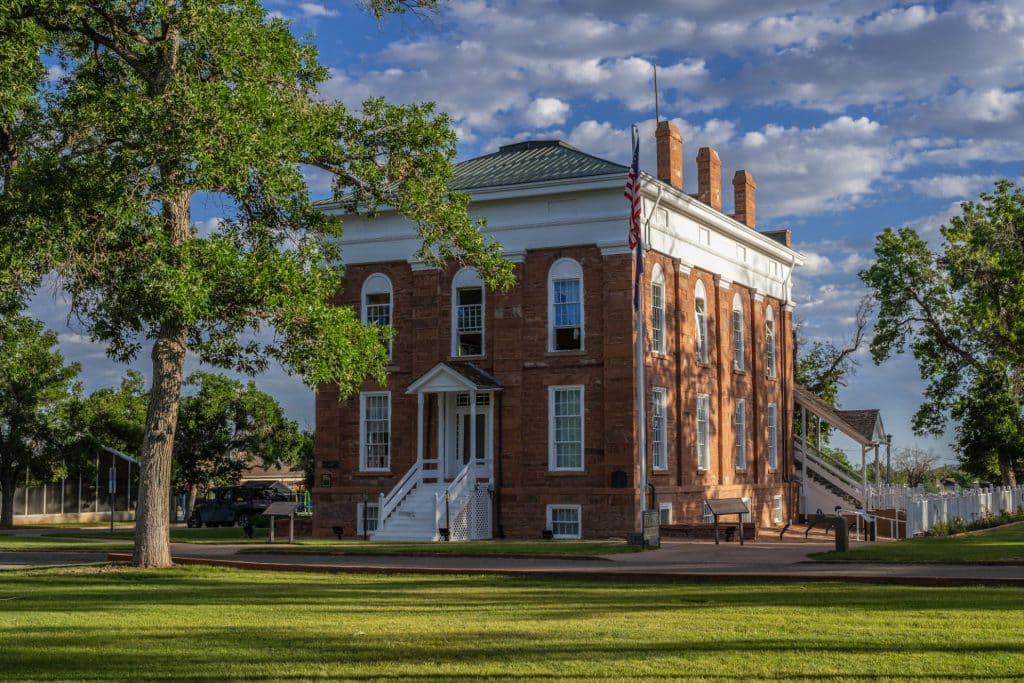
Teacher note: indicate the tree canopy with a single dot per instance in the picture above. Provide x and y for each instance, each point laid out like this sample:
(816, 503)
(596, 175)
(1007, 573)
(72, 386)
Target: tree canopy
(36, 392)
(164, 100)
(960, 311)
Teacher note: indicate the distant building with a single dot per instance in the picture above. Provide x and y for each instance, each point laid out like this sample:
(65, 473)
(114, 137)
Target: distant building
(514, 413)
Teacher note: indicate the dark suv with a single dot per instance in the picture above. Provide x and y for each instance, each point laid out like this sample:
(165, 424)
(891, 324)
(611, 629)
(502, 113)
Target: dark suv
(230, 505)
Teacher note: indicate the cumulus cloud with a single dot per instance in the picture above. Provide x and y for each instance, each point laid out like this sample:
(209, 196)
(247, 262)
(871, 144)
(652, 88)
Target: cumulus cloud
(953, 186)
(545, 112)
(312, 9)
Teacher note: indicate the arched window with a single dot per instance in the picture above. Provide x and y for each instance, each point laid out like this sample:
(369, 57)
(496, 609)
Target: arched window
(701, 318)
(467, 313)
(737, 333)
(658, 309)
(769, 338)
(377, 302)
(565, 306)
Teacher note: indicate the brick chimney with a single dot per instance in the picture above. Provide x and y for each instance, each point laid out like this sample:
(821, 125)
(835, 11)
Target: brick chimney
(744, 187)
(709, 178)
(670, 154)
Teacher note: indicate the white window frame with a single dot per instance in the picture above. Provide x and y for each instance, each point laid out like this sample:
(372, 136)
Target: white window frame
(740, 434)
(552, 444)
(708, 516)
(771, 353)
(562, 270)
(747, 516)
(468, 278)
(738, 342)
(701, 322)
(773, 436)
(703, 454)
(777, 512)
(662, 509)
(359, 517)
(549, 513)
(363, 435)
(658, 312)
(378, 283)
(659, 423)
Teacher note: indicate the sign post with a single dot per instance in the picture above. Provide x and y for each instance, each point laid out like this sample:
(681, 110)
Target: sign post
(111, 490)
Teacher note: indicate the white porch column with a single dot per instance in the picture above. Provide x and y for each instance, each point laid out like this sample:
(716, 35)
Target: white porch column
(864, 477)
(472, 425)
(419, 428)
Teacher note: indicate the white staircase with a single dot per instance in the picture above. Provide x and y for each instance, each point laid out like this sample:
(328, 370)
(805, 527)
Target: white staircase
(413, 518)
(825, 486)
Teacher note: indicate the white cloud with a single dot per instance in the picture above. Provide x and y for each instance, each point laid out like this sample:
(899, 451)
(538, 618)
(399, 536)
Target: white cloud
(312, 9)
(545, 112)
(55, 72)
(953, 186)
(994, 105)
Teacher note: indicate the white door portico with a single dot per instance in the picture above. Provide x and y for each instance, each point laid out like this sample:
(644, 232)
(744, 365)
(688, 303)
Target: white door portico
(454, 420)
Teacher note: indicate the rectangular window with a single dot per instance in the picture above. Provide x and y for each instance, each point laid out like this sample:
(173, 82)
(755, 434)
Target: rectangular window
(377, 308)
(703, 447)
(658, 317)
(745, 517)
(564, 521)
(770, 346)
(702, 331)
(665, 512)
(371, 517)
(568, 310)
(469, 321)
(659, 431)
(375, 435)
(773, 436)
(709, 518)
(565, 430)
(740, 431)
(737, 339)
(777, 509)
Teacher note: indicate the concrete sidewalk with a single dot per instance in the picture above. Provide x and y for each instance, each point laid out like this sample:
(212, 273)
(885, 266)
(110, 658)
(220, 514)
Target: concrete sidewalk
(675, 561)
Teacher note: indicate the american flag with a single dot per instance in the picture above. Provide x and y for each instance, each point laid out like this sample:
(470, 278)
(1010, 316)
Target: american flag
(632, 193)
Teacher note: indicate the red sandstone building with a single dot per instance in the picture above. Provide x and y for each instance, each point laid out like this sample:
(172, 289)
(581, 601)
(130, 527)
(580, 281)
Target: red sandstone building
(507, 414)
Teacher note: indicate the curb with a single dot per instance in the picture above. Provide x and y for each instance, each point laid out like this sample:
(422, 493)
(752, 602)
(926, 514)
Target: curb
(574, 574)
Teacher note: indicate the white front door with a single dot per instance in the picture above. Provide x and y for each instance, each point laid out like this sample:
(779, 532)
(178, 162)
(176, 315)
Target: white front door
(459, 448)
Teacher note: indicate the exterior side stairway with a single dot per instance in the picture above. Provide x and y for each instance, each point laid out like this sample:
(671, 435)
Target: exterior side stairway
(826, 485)
(413, 519)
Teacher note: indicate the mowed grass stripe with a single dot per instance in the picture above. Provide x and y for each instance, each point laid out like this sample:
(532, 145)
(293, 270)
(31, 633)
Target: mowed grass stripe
(205, 624)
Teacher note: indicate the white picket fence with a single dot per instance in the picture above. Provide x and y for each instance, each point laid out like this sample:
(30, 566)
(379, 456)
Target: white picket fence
(925, 510)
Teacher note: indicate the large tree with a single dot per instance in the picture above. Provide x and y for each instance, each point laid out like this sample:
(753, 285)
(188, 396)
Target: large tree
(166, 99)
(960, 310)
(36, 391)
(225, 426)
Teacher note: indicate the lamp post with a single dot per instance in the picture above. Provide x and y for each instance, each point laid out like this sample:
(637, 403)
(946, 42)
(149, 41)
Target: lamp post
(888, 458)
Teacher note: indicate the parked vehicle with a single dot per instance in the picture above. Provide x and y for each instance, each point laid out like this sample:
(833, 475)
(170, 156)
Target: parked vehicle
(235, 505)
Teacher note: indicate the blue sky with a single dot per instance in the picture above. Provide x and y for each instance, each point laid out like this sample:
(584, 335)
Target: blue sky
(851, 115)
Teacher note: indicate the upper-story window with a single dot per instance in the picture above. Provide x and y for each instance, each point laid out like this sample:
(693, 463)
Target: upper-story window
(377, 302)
(737, 333)
(769, 339)
(565, 306)
(658, 309)
(701, 322)
(467, 313)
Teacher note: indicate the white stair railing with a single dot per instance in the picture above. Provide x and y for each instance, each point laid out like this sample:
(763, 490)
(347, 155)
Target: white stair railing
(832, 474)
(389, 503)
(452, 502)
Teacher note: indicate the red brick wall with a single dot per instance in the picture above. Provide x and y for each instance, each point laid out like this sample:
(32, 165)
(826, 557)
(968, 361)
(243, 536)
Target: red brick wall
(517, 355)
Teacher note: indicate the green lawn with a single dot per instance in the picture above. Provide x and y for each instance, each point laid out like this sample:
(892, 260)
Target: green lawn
(213, 535)
(1001, 544)
(209, 624)
(47, 543)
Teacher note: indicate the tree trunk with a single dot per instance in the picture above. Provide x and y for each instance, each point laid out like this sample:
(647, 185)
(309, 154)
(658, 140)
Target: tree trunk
(152, 521)
(191, 500)
(7, 488)
(1006, 473)
(152, 524)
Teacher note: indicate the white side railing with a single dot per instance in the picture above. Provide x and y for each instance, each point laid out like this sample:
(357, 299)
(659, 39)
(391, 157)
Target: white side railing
(841, 480)
(389, 503)
(455, 505)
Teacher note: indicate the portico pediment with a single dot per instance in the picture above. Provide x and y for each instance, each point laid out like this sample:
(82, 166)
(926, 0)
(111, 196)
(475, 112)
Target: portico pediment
(445, 377)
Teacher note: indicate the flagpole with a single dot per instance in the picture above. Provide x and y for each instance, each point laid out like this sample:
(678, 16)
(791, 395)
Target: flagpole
(641, 391)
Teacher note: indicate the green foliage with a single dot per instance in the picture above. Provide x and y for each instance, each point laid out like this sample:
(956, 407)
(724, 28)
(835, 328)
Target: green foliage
(226, 426)
(112, 417)
(960, 311)
(36, 392)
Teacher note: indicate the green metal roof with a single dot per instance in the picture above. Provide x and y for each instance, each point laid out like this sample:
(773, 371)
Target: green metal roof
(530, 162)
